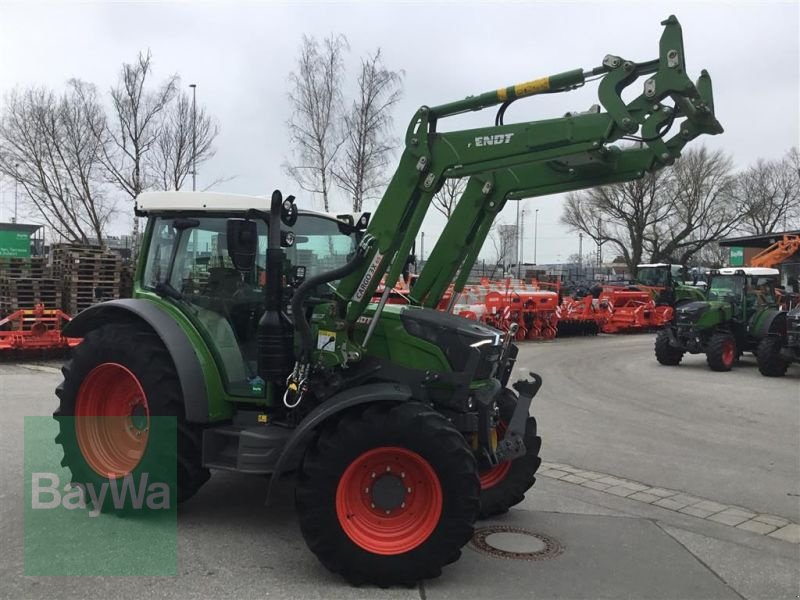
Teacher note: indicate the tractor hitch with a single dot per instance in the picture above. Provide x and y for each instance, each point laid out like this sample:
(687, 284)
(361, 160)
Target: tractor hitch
(513, 445)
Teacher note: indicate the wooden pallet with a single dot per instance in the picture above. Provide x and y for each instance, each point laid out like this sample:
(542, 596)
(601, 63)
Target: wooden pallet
(18, 293)
(24, 267)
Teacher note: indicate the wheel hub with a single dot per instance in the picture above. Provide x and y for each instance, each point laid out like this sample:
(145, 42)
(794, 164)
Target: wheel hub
(389, 492)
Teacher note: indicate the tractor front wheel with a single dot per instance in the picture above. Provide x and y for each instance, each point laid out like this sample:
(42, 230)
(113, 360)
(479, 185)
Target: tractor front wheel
(388, 496)
(504, 485)
(721, 352)
(770, 361)
(120, 417)
(666, 354)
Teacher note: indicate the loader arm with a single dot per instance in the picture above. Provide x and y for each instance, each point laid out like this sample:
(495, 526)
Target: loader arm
(430, 156)
(486, 194)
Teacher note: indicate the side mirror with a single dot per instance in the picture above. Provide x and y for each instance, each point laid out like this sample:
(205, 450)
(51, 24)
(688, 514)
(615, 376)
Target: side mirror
(242, 243)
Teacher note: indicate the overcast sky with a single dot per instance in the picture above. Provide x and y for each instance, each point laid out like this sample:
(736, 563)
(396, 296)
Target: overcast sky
(240, 55)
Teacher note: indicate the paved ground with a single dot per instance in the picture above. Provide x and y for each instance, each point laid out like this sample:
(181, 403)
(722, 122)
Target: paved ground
(606, 409)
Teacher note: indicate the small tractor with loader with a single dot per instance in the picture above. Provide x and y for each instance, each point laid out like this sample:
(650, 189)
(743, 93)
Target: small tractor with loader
(740, 309)
(253, 326)
(781, 346)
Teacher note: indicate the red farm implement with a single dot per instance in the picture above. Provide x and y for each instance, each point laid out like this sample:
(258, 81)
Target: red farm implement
(37, 329)
(632, 309)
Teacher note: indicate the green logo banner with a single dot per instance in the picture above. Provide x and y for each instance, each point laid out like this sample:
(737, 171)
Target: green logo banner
(80, 522)
(737, 256)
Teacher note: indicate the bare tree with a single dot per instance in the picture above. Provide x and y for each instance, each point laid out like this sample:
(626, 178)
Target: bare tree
(503, 243)
(698, 192)
(171, 158)
(134, 127)
(48, 146)
(768, 194)
(712, 255)
(315, 93)
(368, 144)
(446, 198)
(619, 214)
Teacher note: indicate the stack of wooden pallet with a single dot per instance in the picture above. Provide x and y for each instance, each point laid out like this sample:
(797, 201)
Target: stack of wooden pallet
(26, 282)
(89, 275)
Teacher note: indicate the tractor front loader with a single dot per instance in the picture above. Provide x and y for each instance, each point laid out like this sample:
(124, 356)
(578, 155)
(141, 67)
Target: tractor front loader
(739, 311)
(253, 326)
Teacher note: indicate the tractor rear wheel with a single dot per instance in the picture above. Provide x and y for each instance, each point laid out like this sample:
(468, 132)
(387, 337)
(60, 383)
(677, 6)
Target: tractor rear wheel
(504, 485)
(119, 391)
(667, 354)
(388, 496)
(770, 361)
(721, 352)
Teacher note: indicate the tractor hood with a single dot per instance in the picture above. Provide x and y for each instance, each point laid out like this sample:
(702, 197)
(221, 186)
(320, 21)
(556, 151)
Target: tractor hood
(691, 311)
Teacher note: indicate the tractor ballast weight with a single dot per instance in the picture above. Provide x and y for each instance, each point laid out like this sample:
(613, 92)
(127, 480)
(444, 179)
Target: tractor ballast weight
(254, 325)
(780, 344)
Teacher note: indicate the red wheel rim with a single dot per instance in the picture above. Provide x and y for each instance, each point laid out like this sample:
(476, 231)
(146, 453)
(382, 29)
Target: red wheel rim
(112, 420)
(404, 523)
(728, 352)
(497, 473)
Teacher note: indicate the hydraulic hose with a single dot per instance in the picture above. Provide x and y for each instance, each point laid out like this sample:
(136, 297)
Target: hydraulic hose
(299, 315)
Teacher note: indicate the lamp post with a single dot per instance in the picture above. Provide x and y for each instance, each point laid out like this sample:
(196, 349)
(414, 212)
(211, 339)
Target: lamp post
(535, 233)
(16, 190)
(194, 135)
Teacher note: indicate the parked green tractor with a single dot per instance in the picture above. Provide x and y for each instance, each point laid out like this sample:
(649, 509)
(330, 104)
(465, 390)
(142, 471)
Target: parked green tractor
(739, 310)
(667, 283)
(781, 346)
(253, 325)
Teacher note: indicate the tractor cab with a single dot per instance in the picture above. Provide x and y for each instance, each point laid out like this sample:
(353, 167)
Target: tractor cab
(749, 290)
(191, 258)
(667, 283)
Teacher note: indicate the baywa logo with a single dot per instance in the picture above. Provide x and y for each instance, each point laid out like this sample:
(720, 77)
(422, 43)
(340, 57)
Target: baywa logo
(122, 492)
(70, 479)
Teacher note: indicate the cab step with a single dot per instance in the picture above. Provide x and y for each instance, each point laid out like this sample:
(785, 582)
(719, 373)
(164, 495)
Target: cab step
(253, 450)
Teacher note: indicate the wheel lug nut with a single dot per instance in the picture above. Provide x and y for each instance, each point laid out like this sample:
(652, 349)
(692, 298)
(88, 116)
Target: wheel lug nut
(402, 474)
(408, 490)
(373, 474)
(366, 490)
(372, 505)
(388, 512)
(388, 469)
(402, 505)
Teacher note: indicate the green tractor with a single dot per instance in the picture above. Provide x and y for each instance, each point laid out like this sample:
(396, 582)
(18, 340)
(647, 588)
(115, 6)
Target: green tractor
(667, 283)
(781, 346)
(740, 309)
(253, 328)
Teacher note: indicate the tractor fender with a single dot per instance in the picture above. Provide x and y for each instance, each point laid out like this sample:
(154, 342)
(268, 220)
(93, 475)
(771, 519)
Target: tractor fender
(187, 364)
(302, 435)
(772, 321)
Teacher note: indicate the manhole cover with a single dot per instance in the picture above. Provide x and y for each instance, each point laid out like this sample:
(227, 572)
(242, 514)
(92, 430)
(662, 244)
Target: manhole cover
(511, 542)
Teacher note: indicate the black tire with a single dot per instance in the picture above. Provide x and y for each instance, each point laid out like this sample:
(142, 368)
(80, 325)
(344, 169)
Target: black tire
(770, 361)
(665, 353)
(173, 451)
(721, 352)
(410, 427)
(497, 498)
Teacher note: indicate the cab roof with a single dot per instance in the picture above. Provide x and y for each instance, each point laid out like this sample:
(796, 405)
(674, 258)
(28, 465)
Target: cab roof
(757, 271)
(158, 202)
(653, 265)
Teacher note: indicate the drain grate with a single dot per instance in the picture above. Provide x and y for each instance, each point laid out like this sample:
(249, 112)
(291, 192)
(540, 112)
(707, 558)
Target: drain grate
(501, 541)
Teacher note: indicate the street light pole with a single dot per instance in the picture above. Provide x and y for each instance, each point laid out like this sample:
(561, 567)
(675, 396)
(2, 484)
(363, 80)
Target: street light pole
(16, 190)
(521, 243)
(535, 233)
(516, 239)
(194, 135)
